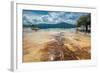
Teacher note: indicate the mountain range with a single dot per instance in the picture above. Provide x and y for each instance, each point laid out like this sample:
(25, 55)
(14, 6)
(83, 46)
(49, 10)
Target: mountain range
(58, 25)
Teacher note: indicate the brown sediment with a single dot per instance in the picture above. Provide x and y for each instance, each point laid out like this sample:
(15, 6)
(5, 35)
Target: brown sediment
(41, 46)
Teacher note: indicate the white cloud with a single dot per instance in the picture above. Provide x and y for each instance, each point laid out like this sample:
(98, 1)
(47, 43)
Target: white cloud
(51, 18)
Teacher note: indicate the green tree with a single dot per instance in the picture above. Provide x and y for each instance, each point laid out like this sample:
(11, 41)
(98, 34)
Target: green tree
(84, 21)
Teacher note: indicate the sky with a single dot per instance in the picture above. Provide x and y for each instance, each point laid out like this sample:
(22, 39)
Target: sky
(35, 17)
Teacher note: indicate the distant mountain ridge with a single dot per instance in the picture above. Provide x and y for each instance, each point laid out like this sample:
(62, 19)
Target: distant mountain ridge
(58, 25)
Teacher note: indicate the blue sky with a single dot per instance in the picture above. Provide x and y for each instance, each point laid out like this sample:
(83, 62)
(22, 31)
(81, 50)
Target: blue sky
(50, 17)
